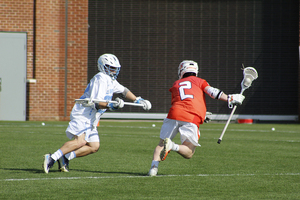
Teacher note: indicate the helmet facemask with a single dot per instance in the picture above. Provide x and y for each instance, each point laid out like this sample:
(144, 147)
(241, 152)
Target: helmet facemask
(112, 71)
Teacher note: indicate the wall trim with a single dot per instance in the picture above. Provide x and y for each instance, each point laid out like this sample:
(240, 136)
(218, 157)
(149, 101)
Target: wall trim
(220, 117)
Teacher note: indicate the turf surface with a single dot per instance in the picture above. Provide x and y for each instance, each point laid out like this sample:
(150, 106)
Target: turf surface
(252, 162)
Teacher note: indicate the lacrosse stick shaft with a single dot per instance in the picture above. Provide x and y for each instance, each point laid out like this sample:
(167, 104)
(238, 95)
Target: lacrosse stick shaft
(133, 104)
(97, 101)
(227, 123)
(125, 103)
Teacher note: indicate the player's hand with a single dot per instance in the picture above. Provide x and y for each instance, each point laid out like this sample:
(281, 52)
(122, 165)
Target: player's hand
(88, 103)
(235, 99)
(207, 117)
(115, 106)
(146, 104)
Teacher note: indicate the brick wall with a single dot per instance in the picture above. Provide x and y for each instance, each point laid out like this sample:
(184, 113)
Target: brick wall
(46, 97)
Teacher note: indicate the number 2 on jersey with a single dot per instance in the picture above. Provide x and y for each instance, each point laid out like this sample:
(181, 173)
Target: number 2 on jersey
(185, 85)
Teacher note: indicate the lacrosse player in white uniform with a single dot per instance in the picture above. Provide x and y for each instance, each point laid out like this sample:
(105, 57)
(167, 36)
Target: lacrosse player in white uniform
(82, 129)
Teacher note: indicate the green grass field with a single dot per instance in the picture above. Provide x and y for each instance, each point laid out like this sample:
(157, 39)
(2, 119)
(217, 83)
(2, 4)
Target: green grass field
(252, 162)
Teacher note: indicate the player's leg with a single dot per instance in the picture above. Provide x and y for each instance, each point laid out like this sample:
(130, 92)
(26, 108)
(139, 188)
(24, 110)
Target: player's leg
(156, 158)
(187, 149)
(72, 145)
(189, 136)
(63, 161)
(157, 150)
(89, 148)
(85, 150)
(168, 130)
(92, 146)
(50, 159)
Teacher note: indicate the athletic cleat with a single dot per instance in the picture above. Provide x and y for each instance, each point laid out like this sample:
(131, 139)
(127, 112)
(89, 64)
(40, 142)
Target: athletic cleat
(153, 171)
(48, 163)
(64, 169)
(167, 148)
(63, 164)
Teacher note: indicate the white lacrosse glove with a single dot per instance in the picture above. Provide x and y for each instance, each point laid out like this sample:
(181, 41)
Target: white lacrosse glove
(234, 99)
(146, 104)
(89, 103)
(115, 106)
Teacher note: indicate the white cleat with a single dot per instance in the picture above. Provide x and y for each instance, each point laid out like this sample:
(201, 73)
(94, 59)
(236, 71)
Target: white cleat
(167, 148)
(48, 163)
(63, 164)
(64, 169)
(153, 171)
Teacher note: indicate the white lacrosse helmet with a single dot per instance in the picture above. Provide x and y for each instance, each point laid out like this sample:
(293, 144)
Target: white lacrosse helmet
(109, 64)
(187, 66)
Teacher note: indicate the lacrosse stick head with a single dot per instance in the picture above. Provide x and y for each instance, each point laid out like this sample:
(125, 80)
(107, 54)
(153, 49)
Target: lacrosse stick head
(250, 74)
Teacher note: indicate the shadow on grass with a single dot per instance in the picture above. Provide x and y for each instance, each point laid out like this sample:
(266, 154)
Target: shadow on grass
(39, 171)
(36, 171)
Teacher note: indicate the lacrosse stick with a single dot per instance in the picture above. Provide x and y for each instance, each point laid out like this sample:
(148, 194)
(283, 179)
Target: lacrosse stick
(250, 74)
(81, 101)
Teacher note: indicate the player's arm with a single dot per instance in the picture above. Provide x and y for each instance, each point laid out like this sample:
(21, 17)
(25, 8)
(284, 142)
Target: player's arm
(130, 96)
(101, 105)
(232, 99)
(215, 93)
(224, 97)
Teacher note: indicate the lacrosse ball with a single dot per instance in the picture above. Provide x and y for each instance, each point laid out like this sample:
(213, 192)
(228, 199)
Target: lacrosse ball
(153, 125)
(247, 82)
(273, 129)
(43, 124)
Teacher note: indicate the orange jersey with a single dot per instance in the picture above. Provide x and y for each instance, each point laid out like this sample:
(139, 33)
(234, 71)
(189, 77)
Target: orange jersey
(188, 100)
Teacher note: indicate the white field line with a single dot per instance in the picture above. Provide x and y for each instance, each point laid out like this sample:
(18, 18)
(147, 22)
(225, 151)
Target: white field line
(171, 175)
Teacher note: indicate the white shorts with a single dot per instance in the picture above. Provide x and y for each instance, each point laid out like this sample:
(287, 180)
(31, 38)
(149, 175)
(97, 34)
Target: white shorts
(77, 128)
(188, 131)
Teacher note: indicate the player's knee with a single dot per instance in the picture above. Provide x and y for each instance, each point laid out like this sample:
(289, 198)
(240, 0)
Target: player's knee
(189, 156)
(95, 148)
(81, 143)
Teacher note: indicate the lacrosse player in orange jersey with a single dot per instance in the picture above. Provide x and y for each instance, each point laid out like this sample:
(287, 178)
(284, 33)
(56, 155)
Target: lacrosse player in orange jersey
(188, 111)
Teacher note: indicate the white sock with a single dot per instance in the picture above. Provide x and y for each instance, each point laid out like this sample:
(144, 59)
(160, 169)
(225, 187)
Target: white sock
(175, 147)
(70, 155)
(57, 155)
(154, 163)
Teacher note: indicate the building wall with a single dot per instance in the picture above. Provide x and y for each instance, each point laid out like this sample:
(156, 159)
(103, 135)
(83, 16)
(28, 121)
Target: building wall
(152, 37)
(44, 23)
(17, 16)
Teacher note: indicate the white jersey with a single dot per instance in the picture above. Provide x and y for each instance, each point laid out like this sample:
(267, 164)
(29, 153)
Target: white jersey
(101, 87)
